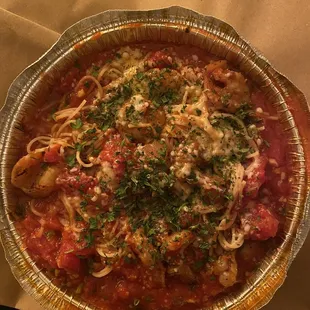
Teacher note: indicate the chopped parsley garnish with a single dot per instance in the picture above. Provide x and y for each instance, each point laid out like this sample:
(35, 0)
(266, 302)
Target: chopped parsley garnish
(105, 114)
(183, 108)
(140, 76)
(91, 131)
(96, 152)
(49, 234)
(83, 205)
(198, 112)
(78, 218)
(225, 99)
(131, 113)
(93, 224)
(112, 215)
(77, 125)
(95, 70)
(79, 146)
(245, 112)
(229, 196)
(89, 239)
(204, 246)
(71, 160)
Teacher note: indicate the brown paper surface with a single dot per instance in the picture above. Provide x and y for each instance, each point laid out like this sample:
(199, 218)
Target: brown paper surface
(280, 29)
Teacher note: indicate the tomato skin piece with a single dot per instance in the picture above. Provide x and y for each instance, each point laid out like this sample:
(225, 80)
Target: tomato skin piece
(259, 222)
(69, 262)
(256, 178)
(52, 154)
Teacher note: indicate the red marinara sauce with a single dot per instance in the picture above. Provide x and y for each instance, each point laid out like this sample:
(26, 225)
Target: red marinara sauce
(155, 177)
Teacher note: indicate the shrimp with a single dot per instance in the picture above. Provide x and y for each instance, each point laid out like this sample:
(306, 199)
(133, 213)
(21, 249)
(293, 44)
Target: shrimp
(225, 89)
(154, 150)
(177, 241)
(141, 246)
(186, 160)
(148, 256)
(140, 119)
(226, 268)
(32, 177)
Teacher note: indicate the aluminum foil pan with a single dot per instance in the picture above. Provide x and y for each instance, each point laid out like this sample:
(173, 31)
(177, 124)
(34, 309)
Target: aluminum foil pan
(175, 25)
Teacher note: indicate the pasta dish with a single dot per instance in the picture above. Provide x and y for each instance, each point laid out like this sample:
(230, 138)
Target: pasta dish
(152, 177)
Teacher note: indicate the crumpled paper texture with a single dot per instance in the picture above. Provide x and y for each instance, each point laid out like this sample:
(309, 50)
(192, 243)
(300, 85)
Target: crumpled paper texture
(279, 29)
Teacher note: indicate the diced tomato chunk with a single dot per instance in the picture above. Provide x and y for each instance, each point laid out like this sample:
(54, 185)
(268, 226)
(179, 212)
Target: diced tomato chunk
(52, 223)
(70, 248)
(39, 243)
(255, 177)
(68, 261)
(259, 222)
(52, 154)
(70, 243)
(30, 223)
(159, 59)
(115, 155)
(45, 248)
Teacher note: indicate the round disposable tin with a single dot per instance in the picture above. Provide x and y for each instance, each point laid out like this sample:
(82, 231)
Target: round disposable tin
(178, 26)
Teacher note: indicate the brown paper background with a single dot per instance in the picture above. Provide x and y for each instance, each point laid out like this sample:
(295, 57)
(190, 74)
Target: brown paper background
(280, 29)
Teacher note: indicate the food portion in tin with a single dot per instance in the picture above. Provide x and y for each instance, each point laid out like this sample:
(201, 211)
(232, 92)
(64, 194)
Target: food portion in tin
(157, 178)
